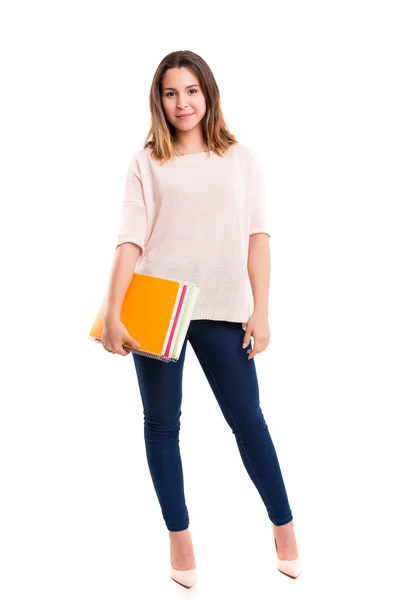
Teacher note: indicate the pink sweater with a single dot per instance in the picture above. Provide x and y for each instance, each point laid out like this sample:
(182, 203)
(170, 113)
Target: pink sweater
(192, 218)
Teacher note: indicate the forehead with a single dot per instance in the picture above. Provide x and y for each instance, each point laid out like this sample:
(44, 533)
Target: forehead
(179, 77)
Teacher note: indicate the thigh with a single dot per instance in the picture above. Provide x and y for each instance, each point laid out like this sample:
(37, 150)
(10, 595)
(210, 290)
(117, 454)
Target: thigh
(232, 377)
(160, 385)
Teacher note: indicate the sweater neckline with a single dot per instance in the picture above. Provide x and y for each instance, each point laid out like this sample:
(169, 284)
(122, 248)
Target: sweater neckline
(192, 154)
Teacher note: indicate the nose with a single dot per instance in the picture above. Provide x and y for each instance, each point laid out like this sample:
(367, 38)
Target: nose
(181, 102)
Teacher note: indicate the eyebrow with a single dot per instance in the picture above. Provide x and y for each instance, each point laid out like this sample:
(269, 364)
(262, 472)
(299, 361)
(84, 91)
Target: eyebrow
(188, 86)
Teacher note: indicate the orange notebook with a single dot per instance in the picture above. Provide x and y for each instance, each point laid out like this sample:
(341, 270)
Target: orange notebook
(156, 312)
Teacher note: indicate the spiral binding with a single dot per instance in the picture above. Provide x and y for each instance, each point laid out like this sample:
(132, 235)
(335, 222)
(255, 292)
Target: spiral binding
(142, 352)
(150, 354)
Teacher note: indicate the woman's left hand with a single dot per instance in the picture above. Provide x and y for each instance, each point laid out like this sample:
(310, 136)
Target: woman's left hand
(258, 327)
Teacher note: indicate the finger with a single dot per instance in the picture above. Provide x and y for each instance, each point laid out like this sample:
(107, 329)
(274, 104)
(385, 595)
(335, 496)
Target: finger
(246, 340)
(258, 347)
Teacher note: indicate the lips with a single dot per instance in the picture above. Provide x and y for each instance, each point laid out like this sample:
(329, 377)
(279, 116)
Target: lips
(186, 116)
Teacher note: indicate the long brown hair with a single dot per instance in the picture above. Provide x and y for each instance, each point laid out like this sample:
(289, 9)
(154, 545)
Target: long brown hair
(162, 133)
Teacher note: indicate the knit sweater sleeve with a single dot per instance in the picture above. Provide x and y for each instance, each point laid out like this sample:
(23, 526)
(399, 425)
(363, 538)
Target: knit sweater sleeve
(133, 218)
(259, 220)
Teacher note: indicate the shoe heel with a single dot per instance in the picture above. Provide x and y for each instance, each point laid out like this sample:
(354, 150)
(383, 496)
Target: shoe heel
(187, 577)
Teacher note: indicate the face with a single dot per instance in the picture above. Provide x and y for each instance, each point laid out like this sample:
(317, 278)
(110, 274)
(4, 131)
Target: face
(182, 94)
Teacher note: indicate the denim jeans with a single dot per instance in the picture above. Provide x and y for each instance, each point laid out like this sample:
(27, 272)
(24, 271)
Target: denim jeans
(233, 380)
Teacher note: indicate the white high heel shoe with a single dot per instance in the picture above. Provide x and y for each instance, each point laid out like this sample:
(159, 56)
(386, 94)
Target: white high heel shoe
(291, 568)
(186, 577)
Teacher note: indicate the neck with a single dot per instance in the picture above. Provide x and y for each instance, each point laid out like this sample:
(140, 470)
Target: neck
(189, 144)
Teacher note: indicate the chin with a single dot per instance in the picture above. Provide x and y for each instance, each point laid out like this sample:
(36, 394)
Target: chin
(186, 121)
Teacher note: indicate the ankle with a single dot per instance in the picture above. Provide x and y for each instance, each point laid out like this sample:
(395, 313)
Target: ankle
(286, 529)
(181, 532)
(179, 535)
(180, 538)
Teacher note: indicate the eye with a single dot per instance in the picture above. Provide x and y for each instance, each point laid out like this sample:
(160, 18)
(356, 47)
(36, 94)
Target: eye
(192, 90)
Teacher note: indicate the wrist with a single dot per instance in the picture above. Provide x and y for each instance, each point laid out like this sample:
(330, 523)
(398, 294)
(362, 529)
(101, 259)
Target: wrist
(258, 310)
(111, 316)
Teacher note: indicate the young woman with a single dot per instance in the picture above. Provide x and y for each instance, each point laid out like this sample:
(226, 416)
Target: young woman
(194, 209)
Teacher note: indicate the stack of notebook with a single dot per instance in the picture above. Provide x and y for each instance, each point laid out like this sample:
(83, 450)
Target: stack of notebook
(156, 312)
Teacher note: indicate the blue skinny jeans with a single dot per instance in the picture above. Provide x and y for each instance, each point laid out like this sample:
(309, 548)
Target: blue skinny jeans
(233, 380)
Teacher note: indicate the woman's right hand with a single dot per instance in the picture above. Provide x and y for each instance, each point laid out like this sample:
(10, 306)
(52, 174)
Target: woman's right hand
(115, 334)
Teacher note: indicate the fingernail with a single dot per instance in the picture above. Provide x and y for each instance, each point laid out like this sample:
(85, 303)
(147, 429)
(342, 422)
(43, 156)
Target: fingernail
(244, 345)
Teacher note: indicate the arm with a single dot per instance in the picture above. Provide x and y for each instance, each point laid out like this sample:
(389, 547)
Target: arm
(259, 268)
(124, 264)
(131, 241)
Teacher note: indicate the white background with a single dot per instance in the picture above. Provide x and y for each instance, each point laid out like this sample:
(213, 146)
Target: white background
(313, 87)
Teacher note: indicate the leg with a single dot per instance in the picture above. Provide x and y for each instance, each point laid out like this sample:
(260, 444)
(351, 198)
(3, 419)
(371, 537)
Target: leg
(160, 385)
(233, 379)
